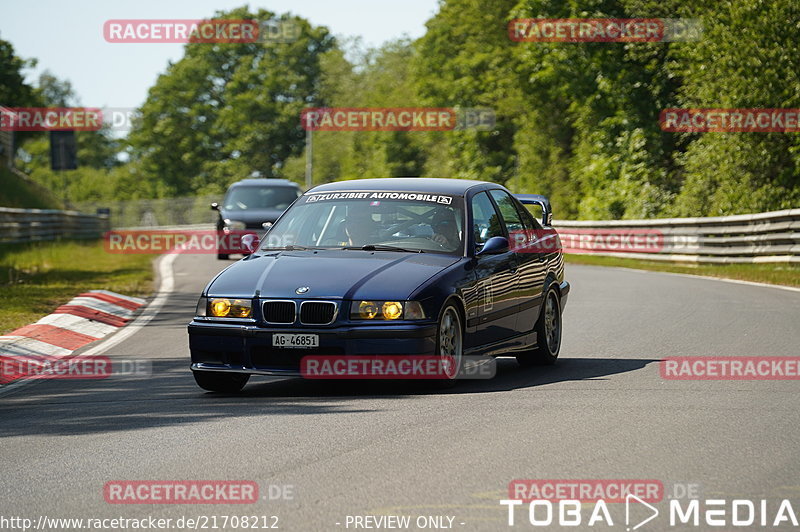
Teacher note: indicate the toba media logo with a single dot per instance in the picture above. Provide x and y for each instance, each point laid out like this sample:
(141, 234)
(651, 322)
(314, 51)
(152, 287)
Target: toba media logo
(585, 503)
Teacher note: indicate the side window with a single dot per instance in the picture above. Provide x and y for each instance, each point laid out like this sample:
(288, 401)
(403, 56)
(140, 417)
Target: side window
(520, 225)
(485, 221)
(508, 210)
(533, 229)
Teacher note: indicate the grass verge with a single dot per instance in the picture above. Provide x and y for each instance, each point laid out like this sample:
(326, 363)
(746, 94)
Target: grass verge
(35, 278)
(780, 274)
(18, 193)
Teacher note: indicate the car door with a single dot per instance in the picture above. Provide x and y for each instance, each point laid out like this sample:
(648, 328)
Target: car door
(531, 258)
(490, 310)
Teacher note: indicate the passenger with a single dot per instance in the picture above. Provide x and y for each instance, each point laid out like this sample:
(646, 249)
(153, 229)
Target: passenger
(360, 228)
(445, 230)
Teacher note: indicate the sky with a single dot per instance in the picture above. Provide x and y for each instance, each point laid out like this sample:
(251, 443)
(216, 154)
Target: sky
(66, 36)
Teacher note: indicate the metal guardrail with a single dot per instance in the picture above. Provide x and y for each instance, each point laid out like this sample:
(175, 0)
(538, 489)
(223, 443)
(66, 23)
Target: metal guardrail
(770, 237)
(31, 225)
(154, 213)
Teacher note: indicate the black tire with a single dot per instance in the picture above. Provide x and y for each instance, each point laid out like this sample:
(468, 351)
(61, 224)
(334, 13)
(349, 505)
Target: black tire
(449, 345)
(222, 256)
(220, 381)
(548, 333)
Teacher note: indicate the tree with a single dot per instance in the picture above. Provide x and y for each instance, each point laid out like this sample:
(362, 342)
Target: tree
(380, 77)
(14, 92)
(750, 58)
(226, 111)
(465, 60)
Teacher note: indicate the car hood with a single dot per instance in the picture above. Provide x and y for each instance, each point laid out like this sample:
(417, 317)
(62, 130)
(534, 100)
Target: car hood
(350, 274)
(252, 216)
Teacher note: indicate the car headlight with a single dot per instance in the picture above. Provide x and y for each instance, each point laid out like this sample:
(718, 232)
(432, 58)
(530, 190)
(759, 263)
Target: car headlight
(392, 310)
(367, 310)
(223, 307)
(386, 310)
(235, 225)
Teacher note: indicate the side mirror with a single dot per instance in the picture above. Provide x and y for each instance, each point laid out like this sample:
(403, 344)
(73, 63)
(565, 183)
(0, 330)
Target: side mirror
(266, 225)
(215, 206)
(494, 246)
(250, 243)
(541, 201)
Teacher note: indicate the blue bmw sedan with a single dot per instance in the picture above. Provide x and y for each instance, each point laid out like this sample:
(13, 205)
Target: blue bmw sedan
(377, 267)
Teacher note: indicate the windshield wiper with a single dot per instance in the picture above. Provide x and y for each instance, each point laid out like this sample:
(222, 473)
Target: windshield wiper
(383, 247)
(289, 248)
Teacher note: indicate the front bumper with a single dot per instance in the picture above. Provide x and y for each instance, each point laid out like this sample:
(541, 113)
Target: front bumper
(247, 348)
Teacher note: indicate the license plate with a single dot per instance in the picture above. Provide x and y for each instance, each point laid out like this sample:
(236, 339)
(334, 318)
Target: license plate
(295, 340)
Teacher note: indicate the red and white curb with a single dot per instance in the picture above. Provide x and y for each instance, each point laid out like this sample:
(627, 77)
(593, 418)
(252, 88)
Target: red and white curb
(85, 319)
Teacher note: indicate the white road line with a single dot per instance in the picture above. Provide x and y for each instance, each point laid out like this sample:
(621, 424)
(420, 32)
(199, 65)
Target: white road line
(167, 285)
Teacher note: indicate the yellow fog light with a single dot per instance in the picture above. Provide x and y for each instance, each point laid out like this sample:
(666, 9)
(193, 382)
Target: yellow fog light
(220, 307)
(392, 310)
(240, 308)
(367, 310)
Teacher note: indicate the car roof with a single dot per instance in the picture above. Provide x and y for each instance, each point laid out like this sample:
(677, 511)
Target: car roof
(265, 181)
(435, 185)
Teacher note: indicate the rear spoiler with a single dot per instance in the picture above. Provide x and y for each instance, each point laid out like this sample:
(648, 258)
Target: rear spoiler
(542, 201)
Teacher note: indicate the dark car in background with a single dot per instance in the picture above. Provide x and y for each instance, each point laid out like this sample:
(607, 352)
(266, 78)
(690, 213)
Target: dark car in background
(401, 266)
(249, 204)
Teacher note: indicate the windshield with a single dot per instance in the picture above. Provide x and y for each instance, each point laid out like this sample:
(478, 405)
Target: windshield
(259, 197)
(330, 221)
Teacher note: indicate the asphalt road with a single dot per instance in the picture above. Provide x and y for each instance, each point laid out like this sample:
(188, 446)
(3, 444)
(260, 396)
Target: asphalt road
(603, 412)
